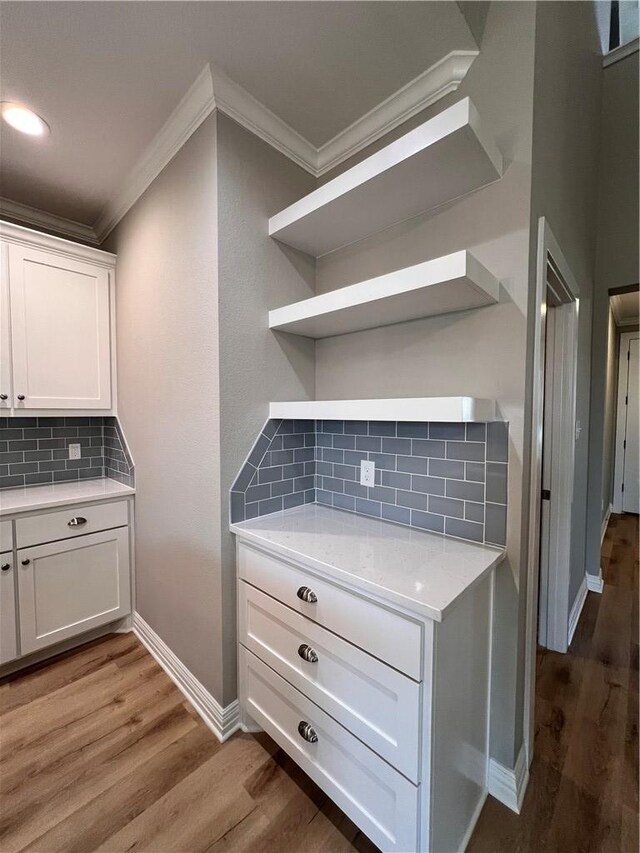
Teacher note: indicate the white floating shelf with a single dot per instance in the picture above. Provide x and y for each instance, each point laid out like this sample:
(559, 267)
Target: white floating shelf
(445, 158)
(449, 409)
(451, 283)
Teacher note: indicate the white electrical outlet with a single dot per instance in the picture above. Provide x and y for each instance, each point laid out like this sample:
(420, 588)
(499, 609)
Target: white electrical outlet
(74, 451)
(367, 473)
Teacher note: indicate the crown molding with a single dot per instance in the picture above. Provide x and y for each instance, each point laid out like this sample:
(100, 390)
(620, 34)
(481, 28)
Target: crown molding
(211, 90)
(621, 52)
(186, 118)
(434, 83)
(22, 236)
(48, 221)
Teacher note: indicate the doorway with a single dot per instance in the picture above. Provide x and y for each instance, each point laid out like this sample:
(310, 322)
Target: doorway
(626, 490)
(553, 435)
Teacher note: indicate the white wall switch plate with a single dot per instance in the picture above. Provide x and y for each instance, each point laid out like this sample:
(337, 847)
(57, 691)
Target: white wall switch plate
(367, 473)
(74, 451)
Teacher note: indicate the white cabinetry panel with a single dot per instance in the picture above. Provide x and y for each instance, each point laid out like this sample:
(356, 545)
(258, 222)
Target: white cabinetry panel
(69, 587)
(387, 635)
(378, 704)
(65, 523)
(60, 331)
(8, 637)
(6, 390)
(379, 799)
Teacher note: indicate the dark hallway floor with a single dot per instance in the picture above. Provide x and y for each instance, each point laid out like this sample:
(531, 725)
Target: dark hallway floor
(583, 790)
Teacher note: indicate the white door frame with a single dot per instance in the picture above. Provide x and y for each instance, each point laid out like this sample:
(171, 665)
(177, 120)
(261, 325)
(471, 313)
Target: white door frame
(563, 464)
(623, 370)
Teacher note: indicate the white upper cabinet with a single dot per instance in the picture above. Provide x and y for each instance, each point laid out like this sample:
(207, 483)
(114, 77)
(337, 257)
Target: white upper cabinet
(57, 334)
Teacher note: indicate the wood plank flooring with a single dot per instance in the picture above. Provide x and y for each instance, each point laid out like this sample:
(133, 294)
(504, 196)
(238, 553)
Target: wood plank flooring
(99, 751)
(583, 791)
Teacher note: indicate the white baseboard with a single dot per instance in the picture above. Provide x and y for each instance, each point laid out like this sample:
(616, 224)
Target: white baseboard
(605, 523)
(223, 722)
(576, 610)
(472, 823)
(509, 785)
(595, 583)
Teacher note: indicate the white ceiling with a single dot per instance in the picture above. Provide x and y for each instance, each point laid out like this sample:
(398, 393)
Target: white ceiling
(106, 76)
(626, 308)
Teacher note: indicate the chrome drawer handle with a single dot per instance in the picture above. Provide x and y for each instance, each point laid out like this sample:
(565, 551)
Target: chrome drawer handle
(76, 521)
(306, 594)
(26, 562)
(308, 654)
(6, 567)
(307, 732)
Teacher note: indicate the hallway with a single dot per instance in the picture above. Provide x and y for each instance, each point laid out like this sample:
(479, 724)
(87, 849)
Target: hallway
(583, 790)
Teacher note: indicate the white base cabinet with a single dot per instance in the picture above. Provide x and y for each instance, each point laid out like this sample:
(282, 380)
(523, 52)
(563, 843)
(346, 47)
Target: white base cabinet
(383, 708)
(8, 637)
(62, 582)
(69, 587)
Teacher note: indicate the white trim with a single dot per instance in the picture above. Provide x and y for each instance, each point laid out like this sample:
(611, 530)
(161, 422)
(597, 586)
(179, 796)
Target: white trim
(55, 245)
(576, 609)
(223, 722)
(547, 245)
(621, 52)
(621, 417)
(211, 90)
(509, 785)
(192, 110)
(437, 81)
(605, 523)
(448, 409)
(595, 583)
(58, 224)
(466, 838)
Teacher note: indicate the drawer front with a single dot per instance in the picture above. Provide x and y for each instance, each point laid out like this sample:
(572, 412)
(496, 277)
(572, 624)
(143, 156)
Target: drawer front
(375, 796)
(6, 536)
(375, 702)
(72, 521)
(384, 634)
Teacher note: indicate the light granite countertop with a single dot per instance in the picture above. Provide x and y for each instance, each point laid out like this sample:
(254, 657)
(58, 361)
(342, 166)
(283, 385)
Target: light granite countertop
(424, 572)
(13, 501)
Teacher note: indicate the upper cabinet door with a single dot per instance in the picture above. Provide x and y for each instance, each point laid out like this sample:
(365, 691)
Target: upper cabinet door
(60, 331)
(6, 391)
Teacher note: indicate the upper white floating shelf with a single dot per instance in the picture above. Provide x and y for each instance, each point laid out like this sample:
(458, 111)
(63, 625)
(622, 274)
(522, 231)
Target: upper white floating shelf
(448, 409)
(452, 283)
(445, 158)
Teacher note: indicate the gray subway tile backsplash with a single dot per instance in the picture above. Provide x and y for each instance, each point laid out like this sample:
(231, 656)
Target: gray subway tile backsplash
(429, 476)
(35, 450)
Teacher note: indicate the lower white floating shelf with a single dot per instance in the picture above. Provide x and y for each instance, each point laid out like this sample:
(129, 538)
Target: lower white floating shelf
(447, 409)
(454, 282)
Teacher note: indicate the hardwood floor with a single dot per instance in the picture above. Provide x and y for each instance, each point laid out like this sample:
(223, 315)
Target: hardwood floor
(583, 790)
(99, 751)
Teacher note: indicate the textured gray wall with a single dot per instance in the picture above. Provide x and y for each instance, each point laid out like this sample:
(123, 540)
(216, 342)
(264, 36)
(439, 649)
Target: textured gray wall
(478, 353)
(255, 274)
(616, 261)
(167, 322)
(564, 190)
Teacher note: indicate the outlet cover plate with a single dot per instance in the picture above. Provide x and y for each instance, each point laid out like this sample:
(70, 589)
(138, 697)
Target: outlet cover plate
(74, 451)
(367, 473)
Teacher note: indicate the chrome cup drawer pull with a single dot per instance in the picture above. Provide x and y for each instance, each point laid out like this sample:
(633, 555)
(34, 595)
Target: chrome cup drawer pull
(77, 521)
(306, 594)
(308, 654)
(6, 567)
(307, 732)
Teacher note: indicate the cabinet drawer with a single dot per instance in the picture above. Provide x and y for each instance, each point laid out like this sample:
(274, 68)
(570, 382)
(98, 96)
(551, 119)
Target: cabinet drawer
(6, 536)
(383, 633)
(375, 796)
(69, 587)
(375, 702)
(51, 526)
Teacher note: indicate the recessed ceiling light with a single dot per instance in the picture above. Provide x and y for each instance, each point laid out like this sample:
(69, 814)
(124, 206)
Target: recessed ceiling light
(23, 119)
